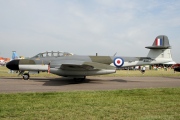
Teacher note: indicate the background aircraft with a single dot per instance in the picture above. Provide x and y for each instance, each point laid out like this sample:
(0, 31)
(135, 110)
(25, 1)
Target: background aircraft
(14, 55)
(78, 67)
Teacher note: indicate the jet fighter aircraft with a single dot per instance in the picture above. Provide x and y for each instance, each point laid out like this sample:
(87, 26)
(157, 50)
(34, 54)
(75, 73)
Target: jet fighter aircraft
(78, 67)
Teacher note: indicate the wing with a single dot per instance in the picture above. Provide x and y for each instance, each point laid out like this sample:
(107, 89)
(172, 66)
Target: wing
(79, 65)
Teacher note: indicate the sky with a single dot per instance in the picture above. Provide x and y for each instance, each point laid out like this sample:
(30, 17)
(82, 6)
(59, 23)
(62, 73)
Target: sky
(87, 27)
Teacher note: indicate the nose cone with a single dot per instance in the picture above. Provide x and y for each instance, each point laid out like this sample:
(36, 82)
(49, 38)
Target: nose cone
(13, 65)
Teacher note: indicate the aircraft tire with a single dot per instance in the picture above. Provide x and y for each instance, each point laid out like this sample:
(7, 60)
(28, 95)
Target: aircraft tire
(26, 76)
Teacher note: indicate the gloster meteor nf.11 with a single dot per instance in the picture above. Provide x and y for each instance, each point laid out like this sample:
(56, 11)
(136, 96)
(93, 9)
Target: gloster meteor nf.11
(78, 67)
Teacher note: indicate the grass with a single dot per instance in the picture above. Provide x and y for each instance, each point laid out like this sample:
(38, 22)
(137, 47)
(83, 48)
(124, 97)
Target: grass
(137, 104)
(119, 73)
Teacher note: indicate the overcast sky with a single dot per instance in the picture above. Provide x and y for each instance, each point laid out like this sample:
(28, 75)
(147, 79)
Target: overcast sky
(86, 27)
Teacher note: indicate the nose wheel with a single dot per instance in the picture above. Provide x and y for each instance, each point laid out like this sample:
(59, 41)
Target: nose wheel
(26, 76)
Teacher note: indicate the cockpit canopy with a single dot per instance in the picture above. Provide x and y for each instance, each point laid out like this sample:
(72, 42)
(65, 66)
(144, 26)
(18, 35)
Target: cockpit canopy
(52, 54)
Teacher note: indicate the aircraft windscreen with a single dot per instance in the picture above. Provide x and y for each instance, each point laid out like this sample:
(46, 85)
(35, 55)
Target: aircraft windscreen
(52, 54)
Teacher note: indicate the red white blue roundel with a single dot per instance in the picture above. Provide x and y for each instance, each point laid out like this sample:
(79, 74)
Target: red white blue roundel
(118, 62)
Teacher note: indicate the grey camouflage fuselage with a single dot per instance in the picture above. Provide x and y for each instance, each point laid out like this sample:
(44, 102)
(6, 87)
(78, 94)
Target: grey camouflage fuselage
(67, 64)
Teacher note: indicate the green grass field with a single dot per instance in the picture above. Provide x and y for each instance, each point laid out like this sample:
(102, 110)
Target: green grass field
(121, 73)
(137, 104)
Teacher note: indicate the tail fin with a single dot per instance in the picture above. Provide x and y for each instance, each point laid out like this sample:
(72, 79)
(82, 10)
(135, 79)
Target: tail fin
(14, 55)
(160, 48)
(161, 42)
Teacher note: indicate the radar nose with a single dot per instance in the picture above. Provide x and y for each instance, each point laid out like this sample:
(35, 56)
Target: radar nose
(13, 65)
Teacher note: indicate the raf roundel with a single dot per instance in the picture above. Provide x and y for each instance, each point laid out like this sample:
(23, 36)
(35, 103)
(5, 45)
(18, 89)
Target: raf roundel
(118, 62)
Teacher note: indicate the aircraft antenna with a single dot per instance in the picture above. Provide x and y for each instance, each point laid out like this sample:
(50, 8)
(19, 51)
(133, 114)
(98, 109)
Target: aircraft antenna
(115, 54)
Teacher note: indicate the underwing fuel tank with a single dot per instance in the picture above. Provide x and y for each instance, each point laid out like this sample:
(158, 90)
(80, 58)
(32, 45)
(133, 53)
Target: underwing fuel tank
(34, 67)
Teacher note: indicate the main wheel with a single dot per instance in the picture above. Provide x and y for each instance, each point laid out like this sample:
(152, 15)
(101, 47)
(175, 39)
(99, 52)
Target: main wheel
(26, 76)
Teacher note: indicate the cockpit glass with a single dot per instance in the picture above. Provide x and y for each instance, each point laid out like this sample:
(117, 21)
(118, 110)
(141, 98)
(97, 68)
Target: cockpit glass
(52, 54)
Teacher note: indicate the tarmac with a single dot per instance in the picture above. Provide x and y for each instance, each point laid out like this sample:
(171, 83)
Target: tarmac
(18, 85)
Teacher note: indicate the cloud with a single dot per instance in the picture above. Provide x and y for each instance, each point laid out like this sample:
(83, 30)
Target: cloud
(87, 27)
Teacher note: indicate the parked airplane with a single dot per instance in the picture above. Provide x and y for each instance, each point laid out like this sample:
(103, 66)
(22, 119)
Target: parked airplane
(78, 67)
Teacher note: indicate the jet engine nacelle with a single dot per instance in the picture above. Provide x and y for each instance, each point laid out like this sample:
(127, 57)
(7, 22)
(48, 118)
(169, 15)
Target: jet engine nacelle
(33, 67)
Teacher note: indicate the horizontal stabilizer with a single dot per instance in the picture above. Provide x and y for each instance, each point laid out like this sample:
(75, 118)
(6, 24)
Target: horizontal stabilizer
(161, 42)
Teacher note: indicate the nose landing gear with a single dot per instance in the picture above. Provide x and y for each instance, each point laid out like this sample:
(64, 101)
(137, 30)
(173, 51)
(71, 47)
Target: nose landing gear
(26, 76)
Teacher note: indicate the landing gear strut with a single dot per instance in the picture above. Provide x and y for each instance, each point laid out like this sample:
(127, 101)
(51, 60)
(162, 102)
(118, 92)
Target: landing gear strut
(26, 76)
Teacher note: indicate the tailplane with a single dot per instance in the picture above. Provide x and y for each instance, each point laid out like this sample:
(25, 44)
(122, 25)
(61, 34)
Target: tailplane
(160, 49)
